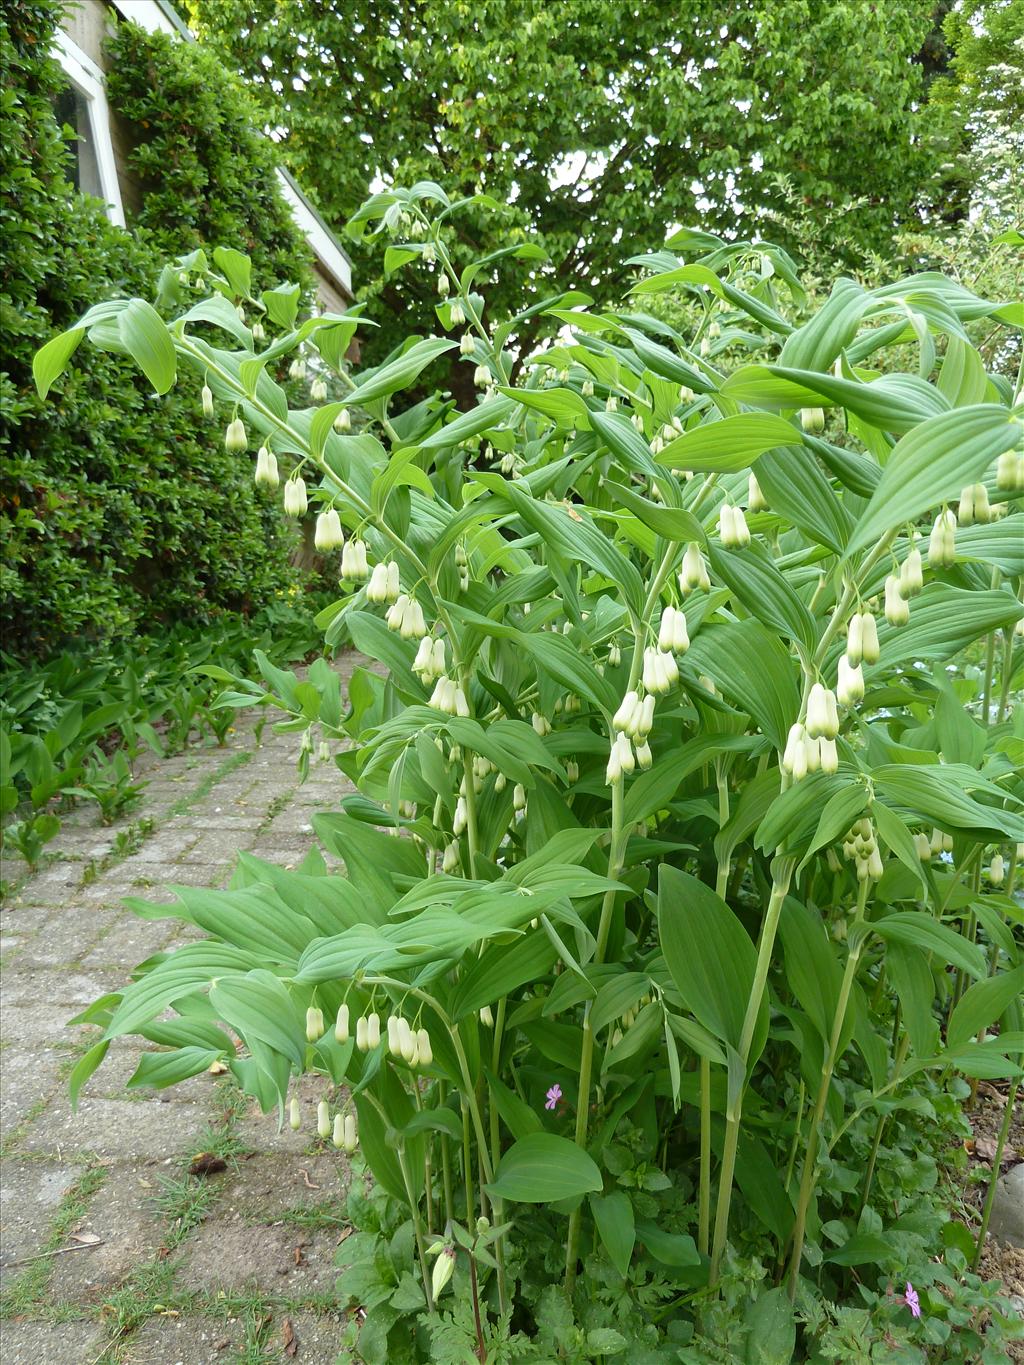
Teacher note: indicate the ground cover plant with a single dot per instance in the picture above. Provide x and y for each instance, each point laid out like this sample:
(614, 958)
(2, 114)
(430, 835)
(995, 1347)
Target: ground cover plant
(72, 729)
(678, 915)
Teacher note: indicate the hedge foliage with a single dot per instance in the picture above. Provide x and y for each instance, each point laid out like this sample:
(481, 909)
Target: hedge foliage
(121, 511)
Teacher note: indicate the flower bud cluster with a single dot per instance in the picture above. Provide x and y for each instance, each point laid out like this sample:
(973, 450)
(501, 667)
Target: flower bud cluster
(266, 468)
(942, 541)
(732, 527)
(405, 617)
(822, 713)
(385, 583)
(672, 634)
(207, 398)
(940, 842)
(850, 682)
(449, 697)
(694, 572)
(481, 376)
(812, 419)
(297, 369)
(467, 344)
(412, 1045)
(444, 287)
(343, 422)
(353, 562)
(911, 574)
(805, 753)
(861, 848)
(897, 608)
(429, 662)
(974, 505)
(328, 534)
(997, 870)
(457, 314)
(660, 672)
(318, 390)
(295, 500)
(862, 639)
(541, 724)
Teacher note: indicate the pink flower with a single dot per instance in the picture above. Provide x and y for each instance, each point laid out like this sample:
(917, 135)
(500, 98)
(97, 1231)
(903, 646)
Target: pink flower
(553, 1096)
(912, 1301)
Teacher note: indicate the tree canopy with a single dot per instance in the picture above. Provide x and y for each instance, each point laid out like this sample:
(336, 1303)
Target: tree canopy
(599, 123)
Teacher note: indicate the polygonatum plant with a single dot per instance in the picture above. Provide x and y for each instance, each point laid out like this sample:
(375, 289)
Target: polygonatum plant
(689, 787)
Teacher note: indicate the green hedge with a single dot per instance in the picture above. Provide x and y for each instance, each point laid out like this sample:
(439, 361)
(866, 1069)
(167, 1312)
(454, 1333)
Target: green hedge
(121, 511)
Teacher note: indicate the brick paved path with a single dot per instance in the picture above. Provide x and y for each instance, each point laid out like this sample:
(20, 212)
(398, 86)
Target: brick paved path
(169, 1267)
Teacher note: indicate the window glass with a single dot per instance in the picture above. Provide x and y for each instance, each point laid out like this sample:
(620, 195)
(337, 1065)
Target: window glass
(73, 108)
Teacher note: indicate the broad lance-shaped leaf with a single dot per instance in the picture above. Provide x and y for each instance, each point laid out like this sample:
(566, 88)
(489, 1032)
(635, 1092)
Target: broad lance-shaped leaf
(710, 957)
(145, 336)
(543, 1168)
(753, 668)
(754, 580)
(931, 464)
(730, 444)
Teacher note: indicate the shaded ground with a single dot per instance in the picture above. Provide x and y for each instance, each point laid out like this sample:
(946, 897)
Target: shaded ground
(111, 1250)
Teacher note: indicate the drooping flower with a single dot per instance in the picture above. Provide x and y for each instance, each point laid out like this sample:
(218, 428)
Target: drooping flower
(553, 1096)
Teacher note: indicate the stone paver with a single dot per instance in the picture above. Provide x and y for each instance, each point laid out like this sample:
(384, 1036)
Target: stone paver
(270, 1222)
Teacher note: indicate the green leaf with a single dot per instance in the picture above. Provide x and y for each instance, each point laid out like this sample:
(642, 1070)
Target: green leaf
(752, 667)
(753, 578)
(400, 373)
(921, 930)
(935, 794)
(543, 1168)
(730, 444)
(236, 269)
(147, 340)
(771, 1329)
(613, 1215)
(84, 1068)
(490, 413)
(51, 360)
(161, 1069)
(838, 814)
(865, 1248)
(797, 489)
(258, 1006)
(982, 1005)
(914, 983)
(930, 465)
(670, 1248)
(674, 523)
(812, 968)
(515, 1113)
(709, 955)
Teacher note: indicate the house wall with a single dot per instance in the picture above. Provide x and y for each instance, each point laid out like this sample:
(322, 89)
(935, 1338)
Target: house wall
(88, 23)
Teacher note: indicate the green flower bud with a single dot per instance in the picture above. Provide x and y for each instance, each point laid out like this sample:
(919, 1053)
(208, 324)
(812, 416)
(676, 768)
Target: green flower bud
(444, 1268)
(343, 421)
(444, 287)
(295, 1115)
(318, 390)
(812, 419)
(208, 408)
(341, 1034)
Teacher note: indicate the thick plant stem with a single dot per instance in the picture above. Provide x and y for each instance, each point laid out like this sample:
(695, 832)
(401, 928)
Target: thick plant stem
(1004, 1132)
(704, 1204)
(1006, 675)
(783, 872)
(616, 854)
(814, 1131)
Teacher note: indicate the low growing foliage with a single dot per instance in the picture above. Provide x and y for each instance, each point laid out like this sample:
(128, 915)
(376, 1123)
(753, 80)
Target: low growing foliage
(678, 893)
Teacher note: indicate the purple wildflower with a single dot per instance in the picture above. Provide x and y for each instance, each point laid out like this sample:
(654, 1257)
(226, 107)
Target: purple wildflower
(553, 1096)
(912, 1301)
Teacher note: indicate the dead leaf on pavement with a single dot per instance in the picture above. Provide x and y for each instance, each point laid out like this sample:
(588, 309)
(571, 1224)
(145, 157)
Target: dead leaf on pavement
(291, 1341)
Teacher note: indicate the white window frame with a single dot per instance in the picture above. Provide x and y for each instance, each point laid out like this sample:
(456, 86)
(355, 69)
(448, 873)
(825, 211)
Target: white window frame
(87, 78)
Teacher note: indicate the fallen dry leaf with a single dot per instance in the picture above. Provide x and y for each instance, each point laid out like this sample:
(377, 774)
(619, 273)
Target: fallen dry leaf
(985, 1148)
(306, 1180)
(217, 1069)
(297, 1255)
(86, 1239)
(291, 1341)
